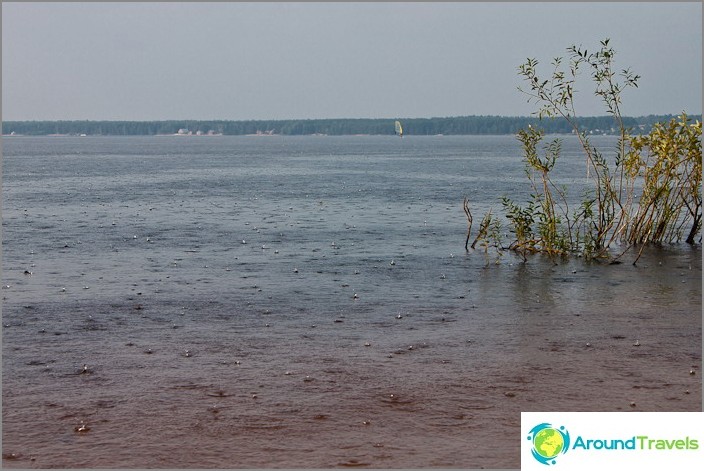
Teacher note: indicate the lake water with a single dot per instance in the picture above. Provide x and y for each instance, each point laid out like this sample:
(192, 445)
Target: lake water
(262, 302)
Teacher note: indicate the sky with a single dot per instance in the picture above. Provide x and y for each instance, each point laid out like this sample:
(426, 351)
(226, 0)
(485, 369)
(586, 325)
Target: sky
(239, 61)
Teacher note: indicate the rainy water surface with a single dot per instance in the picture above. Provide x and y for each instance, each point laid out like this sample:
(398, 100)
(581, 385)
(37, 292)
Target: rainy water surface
(263, 302)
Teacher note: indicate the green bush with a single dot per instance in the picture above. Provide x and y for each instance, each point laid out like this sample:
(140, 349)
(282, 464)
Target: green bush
(651, 193)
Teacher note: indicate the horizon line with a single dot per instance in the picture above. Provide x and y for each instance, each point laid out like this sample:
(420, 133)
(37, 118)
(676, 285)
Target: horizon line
(331, 119)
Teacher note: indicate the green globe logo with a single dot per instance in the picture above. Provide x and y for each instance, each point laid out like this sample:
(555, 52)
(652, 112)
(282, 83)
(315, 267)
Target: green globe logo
(548, 442)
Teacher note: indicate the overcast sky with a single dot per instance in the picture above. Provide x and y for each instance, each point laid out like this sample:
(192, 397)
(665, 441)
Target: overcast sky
(154, 61)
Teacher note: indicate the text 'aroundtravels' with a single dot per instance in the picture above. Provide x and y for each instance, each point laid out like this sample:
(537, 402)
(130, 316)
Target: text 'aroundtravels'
(641, 442)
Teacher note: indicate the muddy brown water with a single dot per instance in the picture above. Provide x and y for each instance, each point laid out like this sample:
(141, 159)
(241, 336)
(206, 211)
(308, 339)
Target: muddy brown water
(350, 329)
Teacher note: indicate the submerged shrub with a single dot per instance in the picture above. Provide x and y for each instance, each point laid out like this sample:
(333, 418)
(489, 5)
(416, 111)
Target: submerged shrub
(668, 160)
(651, 193)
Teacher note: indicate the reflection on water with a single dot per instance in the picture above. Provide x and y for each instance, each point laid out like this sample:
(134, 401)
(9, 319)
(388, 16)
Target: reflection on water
(307, 302)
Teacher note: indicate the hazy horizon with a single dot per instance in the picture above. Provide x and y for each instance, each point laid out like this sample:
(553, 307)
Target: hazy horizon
(336, 118)
(304, 61)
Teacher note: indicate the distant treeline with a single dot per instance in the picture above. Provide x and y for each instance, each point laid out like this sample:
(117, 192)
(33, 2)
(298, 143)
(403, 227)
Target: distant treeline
(460, 125)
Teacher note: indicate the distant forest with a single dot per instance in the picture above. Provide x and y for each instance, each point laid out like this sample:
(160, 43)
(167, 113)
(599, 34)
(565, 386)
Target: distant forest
(460, 125)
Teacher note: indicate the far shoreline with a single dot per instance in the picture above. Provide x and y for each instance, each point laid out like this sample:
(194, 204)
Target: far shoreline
(435, 126)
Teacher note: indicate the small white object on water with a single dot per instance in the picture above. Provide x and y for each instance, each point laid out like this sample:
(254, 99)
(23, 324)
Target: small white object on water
(355, 296)
(692, 372)
(399, 316)
(276, 251)
(244, 241)
(367, 344)
(295, 270)
(637, 344)
(589, 344)
(82, 428)
(442, 276)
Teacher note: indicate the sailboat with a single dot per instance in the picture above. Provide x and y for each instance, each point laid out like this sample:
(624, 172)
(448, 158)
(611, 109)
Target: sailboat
(399, 128)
